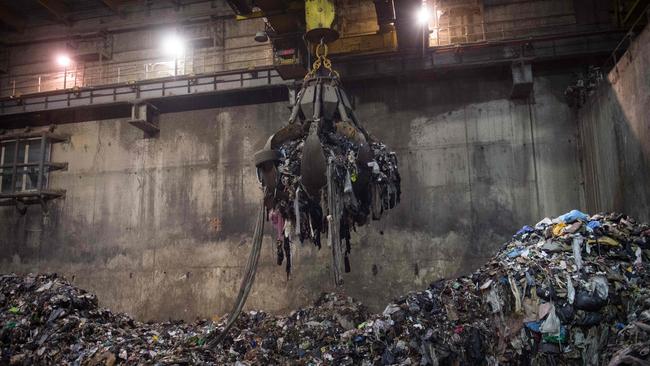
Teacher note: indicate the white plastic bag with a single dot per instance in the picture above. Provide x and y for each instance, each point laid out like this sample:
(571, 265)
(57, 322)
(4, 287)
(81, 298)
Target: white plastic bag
(552, 323)
(571, 291)
(600, 287)
(577, 250)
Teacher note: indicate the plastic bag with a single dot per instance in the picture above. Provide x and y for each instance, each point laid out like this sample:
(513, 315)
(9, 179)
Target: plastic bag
(572, 216)
(552, 324)
(600, 287)
(544, 223)
(524, 230)
(565, 313)
(494, 300)
(589, 319)
(577, 250)
(571, 291)
(516, 293)
(593, 225)
(589, 302)
(348, 183)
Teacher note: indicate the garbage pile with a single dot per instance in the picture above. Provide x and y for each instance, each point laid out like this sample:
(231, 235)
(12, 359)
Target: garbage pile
(47, 321)
(572, 290)
(323, 173)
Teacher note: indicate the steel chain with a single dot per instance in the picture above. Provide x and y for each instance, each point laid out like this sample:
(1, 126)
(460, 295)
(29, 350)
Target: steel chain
(321, 61)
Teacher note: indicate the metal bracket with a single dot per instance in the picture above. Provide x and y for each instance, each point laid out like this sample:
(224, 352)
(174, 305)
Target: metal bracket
(145, 116)
(522, 80)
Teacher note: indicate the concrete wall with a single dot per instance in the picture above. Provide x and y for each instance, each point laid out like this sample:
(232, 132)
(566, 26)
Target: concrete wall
(161, 228)
(615, 129)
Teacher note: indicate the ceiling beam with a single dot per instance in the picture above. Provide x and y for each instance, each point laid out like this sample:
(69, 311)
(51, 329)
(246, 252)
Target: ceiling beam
(114, 5)
(58, 9)
(240, 7)
(12, 19)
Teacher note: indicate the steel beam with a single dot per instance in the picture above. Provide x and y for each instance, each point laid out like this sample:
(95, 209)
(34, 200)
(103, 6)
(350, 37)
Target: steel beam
(251, 86)
(145, 116)
(240, 7)
(51, 136)
(57, 8)
(30, 197)
(114, 5)
(140, 91)
(477, 56)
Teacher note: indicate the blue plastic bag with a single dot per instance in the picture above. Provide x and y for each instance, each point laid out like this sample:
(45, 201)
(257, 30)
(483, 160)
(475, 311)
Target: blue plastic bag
(515, 253)
(572, 216)
(534, 326)
(524, 230)
(593, 225)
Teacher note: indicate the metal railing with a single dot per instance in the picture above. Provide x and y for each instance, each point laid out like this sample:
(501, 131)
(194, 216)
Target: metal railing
(115, 72)
(204, 61)
(624, 44)
(449, 35)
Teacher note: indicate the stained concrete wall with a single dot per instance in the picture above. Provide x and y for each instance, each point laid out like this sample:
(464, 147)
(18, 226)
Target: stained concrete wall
(161, 228)
(615, 130)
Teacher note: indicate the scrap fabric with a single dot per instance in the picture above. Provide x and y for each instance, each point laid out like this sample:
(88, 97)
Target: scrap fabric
(572, 290)
(324, 173)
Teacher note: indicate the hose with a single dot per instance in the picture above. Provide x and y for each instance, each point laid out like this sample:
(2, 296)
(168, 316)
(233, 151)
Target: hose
(247, 281)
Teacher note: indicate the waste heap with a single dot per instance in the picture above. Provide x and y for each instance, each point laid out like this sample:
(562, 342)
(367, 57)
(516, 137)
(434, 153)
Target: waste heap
(47, 321)
(568, 291)
(323, 172)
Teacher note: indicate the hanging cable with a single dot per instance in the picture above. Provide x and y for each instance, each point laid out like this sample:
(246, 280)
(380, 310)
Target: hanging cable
(247, 282)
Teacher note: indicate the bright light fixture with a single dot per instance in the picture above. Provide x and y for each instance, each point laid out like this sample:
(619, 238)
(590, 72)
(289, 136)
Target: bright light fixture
(173, 45)
(63, 60)
(424, 14)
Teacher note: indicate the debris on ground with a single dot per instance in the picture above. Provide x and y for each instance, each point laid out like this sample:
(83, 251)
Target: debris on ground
(567, 291)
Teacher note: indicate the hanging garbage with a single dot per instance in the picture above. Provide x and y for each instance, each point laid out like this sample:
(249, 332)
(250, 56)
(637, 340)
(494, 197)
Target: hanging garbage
(324, 173)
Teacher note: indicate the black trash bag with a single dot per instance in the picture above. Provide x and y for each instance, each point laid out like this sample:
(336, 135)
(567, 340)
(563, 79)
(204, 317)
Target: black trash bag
(565, 312)
(589, 302)
(589, 319)
(473, 346)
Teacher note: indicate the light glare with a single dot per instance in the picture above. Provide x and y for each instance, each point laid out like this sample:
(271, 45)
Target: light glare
(173, 45)
(424, 14)
(63, 60)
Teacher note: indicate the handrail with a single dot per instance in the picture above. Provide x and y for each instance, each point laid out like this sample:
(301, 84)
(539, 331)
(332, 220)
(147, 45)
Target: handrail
(208, 62)
(627, 37)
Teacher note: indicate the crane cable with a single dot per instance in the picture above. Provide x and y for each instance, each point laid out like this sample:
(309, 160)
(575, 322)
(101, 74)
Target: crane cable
(253, 259)
(247, 282)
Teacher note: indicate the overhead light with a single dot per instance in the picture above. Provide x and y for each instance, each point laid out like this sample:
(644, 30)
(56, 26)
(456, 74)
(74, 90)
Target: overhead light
(173, 45)
(424, 14)
(63, 60)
